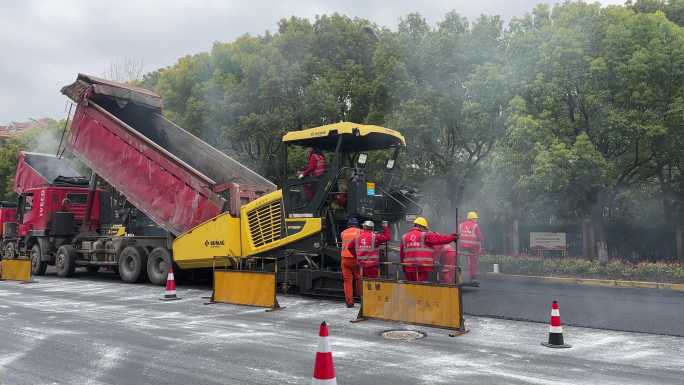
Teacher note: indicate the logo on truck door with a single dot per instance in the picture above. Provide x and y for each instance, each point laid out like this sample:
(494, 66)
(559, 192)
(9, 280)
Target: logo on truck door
(41, 205)
(214, 243)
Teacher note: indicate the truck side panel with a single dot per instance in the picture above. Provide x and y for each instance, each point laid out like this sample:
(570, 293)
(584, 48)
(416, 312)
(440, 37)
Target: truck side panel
(163, 190)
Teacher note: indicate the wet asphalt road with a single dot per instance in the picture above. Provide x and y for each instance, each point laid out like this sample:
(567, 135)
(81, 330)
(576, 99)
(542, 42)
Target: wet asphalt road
(627, 309)
(90, 330)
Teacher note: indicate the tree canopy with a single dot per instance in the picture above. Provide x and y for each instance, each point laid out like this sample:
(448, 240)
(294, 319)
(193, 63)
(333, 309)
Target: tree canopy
(571, 112)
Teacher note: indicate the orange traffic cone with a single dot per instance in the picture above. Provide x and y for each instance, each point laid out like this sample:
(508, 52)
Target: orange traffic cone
(555, 329)
(324, 369)
(170, 291)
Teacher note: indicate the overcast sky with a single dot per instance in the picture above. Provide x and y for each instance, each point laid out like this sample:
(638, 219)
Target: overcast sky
(44, 44)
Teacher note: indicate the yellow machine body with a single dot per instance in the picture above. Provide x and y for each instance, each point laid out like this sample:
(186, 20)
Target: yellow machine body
(260, 228)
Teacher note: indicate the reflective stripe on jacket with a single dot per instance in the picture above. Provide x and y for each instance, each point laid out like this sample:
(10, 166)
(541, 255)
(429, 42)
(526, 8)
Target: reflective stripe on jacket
(366, 248)
(470, 238)
(415, 251)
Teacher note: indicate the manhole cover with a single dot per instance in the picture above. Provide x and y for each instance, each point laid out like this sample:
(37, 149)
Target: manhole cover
(403, 335)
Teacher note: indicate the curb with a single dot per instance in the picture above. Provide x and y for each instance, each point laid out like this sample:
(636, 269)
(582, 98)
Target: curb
(595, 282)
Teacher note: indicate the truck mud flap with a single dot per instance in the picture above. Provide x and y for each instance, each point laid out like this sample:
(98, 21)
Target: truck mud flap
(16, 270)
(426, 304)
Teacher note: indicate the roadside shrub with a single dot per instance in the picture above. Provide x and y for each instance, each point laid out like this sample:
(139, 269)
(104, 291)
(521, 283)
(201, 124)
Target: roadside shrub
(584, 268)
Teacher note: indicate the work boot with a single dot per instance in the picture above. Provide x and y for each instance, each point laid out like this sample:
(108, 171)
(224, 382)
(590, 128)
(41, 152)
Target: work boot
(349, 305)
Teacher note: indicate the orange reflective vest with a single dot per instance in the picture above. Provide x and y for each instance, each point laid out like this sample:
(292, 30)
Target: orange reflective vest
(348, 236)
(416, 253)
(367, 250)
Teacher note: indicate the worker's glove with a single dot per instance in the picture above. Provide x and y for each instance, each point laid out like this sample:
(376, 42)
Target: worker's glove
(300, 175)
(455, 235)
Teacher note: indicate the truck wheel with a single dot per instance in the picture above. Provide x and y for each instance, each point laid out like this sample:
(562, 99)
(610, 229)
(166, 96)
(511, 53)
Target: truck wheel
(132, 264)
(158, 265)
(9, 251)
(92, 269)
(65, 261)
(37, 266)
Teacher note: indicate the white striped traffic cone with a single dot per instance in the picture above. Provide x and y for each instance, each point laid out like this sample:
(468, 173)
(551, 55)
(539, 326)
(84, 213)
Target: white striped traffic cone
(170, 291)
(555, 329)
(324, 369)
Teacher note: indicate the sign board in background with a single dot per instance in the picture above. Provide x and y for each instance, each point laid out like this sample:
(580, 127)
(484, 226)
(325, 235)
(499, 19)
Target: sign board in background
(548, 241)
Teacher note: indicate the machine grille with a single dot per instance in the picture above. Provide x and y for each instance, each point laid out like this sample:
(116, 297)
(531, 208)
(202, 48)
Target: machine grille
(265, 223)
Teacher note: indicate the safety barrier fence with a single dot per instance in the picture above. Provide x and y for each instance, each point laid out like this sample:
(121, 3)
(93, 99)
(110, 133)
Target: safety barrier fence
(250, 282)
(421, 303)
(438, 273)
(16, 270)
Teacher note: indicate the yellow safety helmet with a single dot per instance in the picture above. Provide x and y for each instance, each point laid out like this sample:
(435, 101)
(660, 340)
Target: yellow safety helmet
(473, 215)
(421, 221)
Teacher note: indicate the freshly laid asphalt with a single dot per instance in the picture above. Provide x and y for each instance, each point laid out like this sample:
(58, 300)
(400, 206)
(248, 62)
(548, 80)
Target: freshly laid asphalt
(654, 311)
(98, 330)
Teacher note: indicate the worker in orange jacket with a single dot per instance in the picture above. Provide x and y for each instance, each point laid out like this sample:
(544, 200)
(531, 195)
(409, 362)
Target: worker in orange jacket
(349, 266)
(366, 248)
(470, 243)
(417, 253)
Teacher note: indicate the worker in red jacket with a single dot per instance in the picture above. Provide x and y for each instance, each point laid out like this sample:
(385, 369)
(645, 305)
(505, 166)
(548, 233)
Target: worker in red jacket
(366, 248)
(349, 266)
(316, 166)
(470, 243)
(417, 253)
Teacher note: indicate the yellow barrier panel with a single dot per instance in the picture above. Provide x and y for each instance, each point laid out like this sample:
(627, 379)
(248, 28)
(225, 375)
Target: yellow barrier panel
(15, 270)
(416, 303)
(245, 288)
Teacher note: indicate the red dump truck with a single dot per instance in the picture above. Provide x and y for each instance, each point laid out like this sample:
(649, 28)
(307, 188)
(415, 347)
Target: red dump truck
(171, 178)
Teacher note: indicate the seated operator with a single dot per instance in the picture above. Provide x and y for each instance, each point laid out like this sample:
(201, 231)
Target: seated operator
(316, 166)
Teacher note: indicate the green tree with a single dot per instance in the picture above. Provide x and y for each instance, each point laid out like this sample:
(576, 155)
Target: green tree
(451, 101)
(572, 112)
(45, 140)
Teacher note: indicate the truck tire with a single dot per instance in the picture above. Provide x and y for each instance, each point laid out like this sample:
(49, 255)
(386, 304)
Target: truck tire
(37, 265)
(133, 264)
(65, 261)
(9, 251)
(158, 263)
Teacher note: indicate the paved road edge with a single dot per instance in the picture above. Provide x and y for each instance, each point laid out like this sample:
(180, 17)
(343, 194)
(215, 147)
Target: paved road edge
(595, 282)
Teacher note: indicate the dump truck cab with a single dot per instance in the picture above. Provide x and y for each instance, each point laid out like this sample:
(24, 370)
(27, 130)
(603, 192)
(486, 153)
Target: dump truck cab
(55, 211)
(54, 204)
